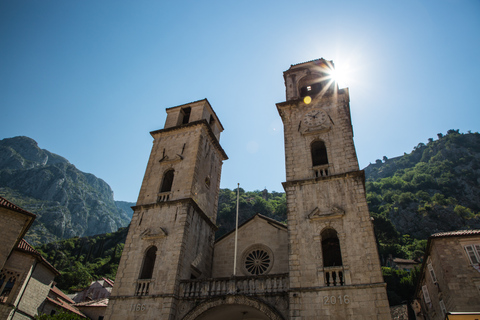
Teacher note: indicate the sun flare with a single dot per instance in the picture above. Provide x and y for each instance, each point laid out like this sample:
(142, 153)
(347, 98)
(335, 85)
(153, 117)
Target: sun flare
(341, 75)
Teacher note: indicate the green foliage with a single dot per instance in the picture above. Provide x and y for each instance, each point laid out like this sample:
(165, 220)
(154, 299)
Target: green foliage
(82, 260)
(62, 315)
(400, 284)
(434, 188)
(273, 205)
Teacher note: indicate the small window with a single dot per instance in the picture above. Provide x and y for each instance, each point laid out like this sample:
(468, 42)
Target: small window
(432, 273)
(332, 256)
(442, 307)
(212, 120)
(186, 115)
(473, 253)
(207, 181)
(148, 263)
(319, 153)
(167, 181)
(7, 289)
(311, 89)
(426, 295)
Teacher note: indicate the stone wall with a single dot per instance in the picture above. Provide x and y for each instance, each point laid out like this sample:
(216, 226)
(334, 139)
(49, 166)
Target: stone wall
(31, 287)
(457, 281)
(257, 231)
(12, 224)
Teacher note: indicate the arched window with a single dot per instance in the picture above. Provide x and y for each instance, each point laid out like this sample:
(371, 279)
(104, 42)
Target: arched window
(167, 181)
(311, 85)
(148, 263)
(319, 153)
(332, 257)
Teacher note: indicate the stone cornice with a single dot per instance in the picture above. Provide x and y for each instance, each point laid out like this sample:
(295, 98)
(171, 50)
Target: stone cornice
(189, 201)
(193, 124)
(346, 287)
(352, 174)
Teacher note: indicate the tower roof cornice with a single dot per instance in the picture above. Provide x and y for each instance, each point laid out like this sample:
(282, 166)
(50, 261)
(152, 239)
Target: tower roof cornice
(193, 124)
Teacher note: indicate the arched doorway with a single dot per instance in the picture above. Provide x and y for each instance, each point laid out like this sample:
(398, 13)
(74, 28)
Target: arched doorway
(234, 307)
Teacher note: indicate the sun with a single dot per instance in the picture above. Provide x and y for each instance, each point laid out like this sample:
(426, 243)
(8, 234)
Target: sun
(341, 75)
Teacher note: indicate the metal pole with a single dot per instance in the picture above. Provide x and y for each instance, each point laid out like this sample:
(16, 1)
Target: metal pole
(236, 233)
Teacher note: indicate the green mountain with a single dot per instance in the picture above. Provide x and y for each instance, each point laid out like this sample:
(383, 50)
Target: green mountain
(435, 188)
(67, 201)
(82, 260)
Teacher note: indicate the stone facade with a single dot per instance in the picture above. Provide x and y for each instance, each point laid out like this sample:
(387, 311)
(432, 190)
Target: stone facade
(450, 276)
(334, 268)
(259, 232)
(30, 278)
(14, 223)
(324, 265)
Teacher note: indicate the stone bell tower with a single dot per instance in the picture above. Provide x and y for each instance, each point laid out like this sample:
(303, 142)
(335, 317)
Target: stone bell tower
(171, 234)
(334, 268)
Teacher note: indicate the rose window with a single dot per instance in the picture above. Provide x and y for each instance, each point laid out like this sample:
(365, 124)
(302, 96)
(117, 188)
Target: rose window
(257, 260)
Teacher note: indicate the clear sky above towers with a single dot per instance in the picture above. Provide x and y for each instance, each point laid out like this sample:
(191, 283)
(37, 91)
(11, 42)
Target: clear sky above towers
(90, 79)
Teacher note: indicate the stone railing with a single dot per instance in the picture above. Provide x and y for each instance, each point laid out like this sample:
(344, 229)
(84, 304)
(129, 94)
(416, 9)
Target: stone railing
(322, 171)
(254, 285)
(164, 196)
(334, 276)
(143, 286)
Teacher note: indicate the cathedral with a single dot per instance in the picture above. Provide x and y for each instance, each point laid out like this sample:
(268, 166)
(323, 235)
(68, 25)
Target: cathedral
(323, 264)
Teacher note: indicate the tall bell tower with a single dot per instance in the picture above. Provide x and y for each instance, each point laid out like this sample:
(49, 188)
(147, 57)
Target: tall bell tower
(171, 234)
(334, 268)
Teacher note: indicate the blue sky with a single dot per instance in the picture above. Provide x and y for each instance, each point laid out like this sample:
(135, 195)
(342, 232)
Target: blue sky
(89, 80)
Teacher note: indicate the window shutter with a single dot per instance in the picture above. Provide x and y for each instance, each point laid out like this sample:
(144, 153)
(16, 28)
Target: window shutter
(426, 296)
(471, 253)
(442, 306)
(432, 273)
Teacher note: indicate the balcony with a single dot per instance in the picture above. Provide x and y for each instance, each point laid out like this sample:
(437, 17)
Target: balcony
(322, 171)
(336, 276)
(164, 196)
(143, 287)
(258, 285)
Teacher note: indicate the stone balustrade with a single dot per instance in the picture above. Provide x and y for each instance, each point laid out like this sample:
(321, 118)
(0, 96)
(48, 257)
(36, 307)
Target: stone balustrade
(143, 287)
(164, 196)
(322, 171)
(334, 276)
(253, 285)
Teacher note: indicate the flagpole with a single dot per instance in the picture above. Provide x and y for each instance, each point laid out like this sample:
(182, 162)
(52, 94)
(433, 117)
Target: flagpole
(236, 234)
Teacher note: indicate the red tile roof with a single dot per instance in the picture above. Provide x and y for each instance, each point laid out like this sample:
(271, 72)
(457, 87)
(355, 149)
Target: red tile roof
(94, 303)
(458, 233)
(66, 306)
(110, 282)
(405, 261)
(60, 294)
(7, 204)
(24, 246)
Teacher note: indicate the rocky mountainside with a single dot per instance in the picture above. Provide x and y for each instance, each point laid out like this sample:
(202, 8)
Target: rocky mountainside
(434, 188)
(67, 202)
